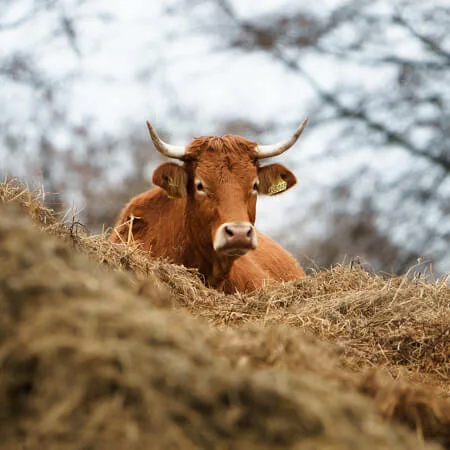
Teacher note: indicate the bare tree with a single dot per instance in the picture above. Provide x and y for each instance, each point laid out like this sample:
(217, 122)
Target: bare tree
(85, 165)
(387, 95)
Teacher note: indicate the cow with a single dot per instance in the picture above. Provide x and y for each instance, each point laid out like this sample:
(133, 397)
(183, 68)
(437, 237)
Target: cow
(201, 214)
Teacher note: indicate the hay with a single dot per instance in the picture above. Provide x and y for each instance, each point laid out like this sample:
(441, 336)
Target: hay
(402, 325)
(87, 364)
(13, 190)
(88, 357)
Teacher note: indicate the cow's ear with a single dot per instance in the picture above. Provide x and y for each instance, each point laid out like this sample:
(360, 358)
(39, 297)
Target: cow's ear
(172, 178)
(275, 179)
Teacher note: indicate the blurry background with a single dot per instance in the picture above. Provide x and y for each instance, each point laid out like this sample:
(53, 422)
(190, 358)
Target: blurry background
(79, 79)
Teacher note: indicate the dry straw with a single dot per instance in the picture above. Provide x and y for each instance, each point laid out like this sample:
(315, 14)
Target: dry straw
(94, 359)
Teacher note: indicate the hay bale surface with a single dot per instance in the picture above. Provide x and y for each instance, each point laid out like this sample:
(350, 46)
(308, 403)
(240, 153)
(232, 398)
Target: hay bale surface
(117, 360)
(85, 363)
(399, 324)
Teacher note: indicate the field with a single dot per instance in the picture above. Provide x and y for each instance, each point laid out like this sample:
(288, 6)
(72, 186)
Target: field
(101, 348)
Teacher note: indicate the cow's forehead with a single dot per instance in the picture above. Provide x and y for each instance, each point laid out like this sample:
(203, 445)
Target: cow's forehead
(223, 158)
(208, 147)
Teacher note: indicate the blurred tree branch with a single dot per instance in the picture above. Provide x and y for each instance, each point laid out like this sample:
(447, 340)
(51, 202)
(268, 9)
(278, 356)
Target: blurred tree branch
(430, 43)
(263, 39)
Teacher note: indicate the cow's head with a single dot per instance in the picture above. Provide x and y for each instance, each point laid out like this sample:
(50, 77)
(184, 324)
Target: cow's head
(220, 179)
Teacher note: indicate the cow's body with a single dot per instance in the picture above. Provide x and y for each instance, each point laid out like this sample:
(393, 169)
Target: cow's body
(202, 213)
(159, 227)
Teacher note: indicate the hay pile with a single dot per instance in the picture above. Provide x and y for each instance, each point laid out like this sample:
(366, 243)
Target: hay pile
(91, 359)
(86, 364)
(402, 325)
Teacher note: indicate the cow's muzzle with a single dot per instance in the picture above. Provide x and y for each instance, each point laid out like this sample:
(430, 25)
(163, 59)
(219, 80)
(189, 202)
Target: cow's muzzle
(235, 238)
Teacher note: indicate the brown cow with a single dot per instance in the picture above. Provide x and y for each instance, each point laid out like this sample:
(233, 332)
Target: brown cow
(202, 213)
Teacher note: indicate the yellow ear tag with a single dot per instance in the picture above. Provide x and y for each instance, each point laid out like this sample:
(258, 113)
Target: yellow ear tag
(173, 186)
(279, 187)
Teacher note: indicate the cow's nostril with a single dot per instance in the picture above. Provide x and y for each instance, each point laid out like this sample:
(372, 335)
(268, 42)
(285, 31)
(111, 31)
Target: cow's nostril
(250, 232)
(229, 232)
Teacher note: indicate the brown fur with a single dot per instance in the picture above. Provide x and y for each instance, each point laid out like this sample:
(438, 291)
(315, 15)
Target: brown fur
(176, 222)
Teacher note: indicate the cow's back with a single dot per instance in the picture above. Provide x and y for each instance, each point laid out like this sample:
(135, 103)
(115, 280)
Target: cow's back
(157, 225)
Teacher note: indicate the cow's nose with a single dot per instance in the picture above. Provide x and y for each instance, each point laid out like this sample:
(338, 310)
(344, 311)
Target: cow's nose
(235, 238)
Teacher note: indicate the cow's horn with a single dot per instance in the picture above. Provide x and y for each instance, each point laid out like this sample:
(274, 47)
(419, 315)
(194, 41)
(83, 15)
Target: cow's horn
(266, 151)
(171, 151)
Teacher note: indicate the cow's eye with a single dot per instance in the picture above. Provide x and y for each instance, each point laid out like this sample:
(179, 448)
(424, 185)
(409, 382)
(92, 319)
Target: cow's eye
(200, 187)
(255, 186)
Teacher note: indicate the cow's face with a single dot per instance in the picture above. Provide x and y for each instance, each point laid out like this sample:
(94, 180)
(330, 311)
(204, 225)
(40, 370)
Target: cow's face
(221, 179)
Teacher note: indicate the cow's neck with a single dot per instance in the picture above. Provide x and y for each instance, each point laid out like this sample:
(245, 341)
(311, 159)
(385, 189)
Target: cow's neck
(200, 254)
(220, 271)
